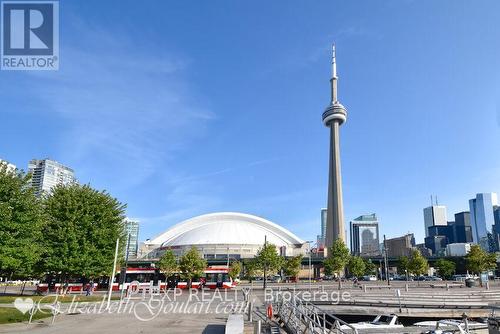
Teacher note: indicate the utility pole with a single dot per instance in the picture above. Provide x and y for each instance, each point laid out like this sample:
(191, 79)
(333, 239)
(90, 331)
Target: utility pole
(114, 272)
(386, 262)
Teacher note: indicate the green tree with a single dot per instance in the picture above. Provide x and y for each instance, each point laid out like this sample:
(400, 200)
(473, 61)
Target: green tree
(478, 260)
(268, 260)
(168, 263)
(251, 269)
(81, 231)
(417, 264)
(192, 265)
(337, 259)
(403, 265)
(235, 269)
(21, 221)
(445, 268)
(370, 267)
(356, 266)
(291, 266)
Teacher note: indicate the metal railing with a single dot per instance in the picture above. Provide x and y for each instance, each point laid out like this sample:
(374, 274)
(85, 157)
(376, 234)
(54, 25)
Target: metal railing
(302, 317)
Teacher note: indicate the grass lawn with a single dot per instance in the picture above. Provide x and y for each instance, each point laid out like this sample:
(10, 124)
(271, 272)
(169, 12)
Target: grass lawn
(51, 298)
(10, 314)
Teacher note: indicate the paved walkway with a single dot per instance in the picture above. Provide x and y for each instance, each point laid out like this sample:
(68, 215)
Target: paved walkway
(123, 324)
(139, 316)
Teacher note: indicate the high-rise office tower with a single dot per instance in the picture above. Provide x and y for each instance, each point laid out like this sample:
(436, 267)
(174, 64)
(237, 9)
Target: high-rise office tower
(321, 237)
(496, 228)
(48, 173)
(401, 246)
(333, 117)
(482, 219)
(132, 236)
(462, 229)
(365, 236)
(439, 236)
(434, 215)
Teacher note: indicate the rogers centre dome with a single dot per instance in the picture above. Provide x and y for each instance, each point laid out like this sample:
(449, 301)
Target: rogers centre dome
(217, 235)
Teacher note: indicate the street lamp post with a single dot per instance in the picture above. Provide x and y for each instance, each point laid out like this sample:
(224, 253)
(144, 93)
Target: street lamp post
(310, 274)
(386, 262)
(113, 274)
(125, 271)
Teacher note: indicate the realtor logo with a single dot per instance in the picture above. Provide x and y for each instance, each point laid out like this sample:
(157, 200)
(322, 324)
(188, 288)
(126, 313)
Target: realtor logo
(30, 35)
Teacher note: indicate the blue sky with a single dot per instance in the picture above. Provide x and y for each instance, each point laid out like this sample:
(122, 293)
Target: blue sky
(183, 108)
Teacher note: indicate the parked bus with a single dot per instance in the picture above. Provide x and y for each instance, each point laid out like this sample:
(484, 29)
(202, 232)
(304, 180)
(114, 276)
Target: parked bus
(214, 277)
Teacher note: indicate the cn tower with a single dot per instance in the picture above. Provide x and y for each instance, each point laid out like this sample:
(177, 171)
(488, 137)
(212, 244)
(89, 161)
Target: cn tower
(333, 117)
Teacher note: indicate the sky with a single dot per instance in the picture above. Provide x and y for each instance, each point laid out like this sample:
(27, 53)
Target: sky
(179, 108)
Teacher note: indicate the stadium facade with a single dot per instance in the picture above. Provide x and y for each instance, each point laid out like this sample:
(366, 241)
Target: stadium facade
(224, 235)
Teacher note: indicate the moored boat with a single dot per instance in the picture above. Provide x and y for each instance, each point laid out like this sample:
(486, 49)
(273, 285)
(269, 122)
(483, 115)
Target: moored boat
(383, 321)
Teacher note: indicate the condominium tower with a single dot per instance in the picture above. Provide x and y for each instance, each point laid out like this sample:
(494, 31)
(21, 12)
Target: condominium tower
(48, 173)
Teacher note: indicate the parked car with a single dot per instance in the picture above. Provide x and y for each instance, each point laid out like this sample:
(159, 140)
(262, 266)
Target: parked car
(274, 279)
(462, 278)
(459, 278)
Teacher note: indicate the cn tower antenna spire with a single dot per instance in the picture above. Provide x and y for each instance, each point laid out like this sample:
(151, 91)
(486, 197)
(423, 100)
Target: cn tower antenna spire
(333, 80)
(334, 62)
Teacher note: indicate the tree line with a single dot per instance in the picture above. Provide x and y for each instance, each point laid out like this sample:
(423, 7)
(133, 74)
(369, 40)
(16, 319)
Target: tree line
(191, 264)
(476, 262)
(339, 259)
(71, 231)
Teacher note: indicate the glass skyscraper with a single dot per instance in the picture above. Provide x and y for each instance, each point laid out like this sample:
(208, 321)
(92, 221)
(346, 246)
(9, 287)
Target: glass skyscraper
(462, 230)
(482, 219)
(322, 236)
(132, 232)
(365, 235)
(434, 215)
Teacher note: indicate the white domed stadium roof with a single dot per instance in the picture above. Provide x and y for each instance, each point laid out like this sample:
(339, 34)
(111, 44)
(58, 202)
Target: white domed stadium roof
(226, 228)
